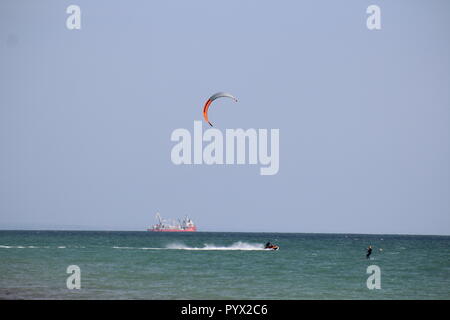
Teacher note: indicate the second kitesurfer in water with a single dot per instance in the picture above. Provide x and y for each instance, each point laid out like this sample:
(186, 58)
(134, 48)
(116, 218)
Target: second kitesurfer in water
(369, 252)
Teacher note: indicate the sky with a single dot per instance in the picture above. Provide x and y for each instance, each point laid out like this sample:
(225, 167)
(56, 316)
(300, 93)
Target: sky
(363, 115)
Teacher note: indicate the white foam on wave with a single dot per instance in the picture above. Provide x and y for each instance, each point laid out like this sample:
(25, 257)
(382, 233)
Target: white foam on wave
(137, 248)
(31, 247)
(235, 246)
(12, 247)
(244, 246)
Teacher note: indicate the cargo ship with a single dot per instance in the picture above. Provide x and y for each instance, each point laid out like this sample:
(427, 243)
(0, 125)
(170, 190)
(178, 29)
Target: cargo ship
(185, 225)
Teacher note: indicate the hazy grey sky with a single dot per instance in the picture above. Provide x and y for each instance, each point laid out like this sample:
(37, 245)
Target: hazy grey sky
(86, 115)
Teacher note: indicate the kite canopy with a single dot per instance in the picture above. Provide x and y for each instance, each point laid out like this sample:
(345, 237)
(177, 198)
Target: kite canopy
(211, 99)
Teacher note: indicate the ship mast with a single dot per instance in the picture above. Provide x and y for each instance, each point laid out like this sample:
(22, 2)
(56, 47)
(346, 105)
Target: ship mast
(158, 216)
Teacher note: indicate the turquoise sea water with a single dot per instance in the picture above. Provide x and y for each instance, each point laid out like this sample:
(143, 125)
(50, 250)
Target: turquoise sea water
(214, 265)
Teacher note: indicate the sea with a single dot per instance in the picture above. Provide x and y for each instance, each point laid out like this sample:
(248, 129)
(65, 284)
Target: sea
(221, 265)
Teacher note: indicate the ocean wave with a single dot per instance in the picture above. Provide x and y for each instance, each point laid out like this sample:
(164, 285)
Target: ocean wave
(31, 247)
(13, 247)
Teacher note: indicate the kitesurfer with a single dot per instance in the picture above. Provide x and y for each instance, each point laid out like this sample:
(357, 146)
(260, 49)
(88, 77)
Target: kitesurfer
(369, 252)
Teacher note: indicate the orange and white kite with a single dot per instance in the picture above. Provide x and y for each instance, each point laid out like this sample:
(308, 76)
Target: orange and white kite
(211, 99)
